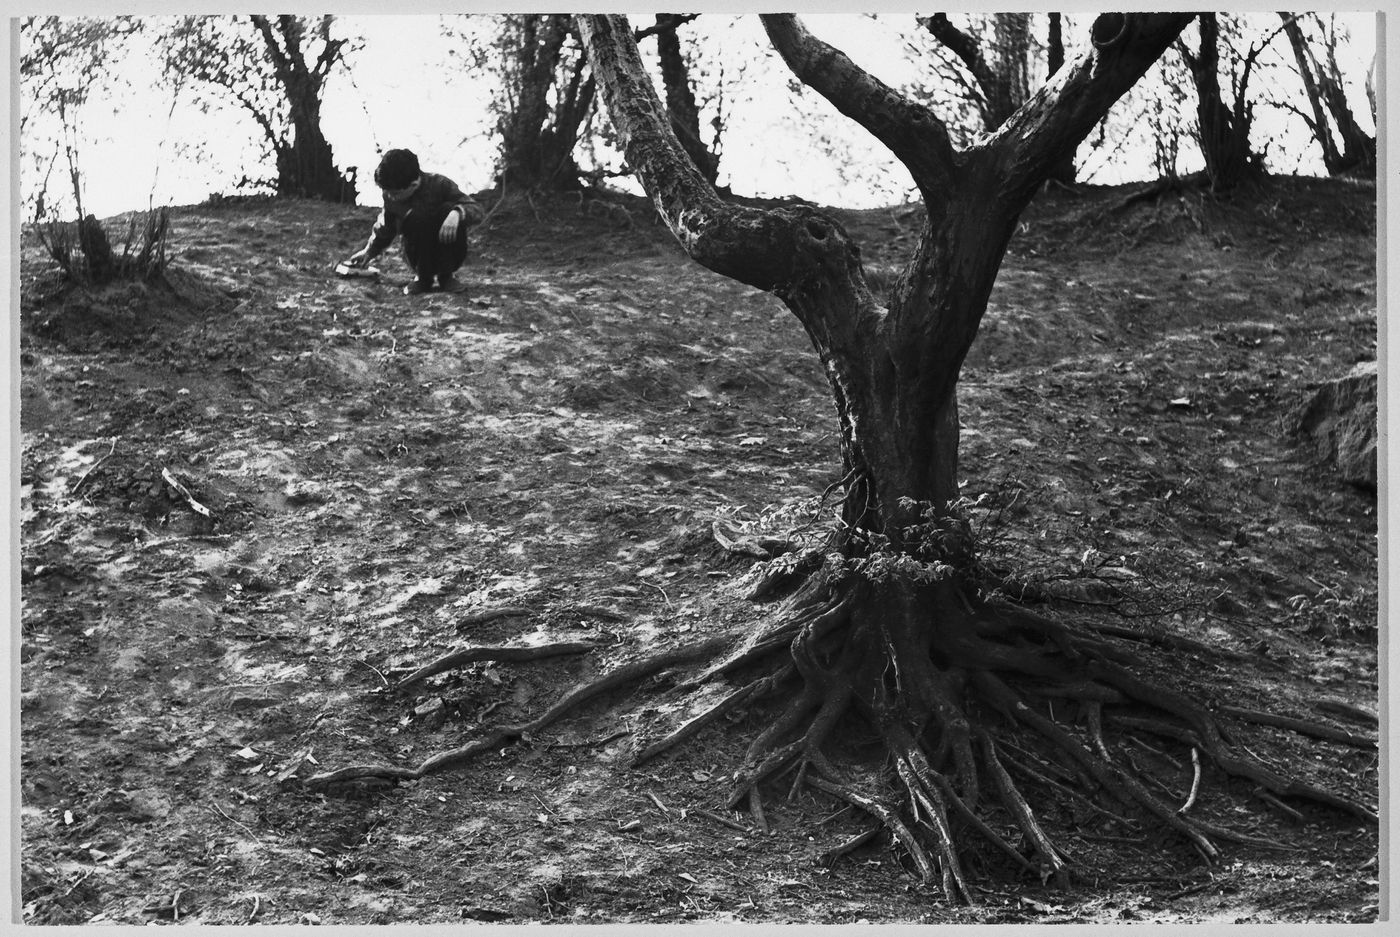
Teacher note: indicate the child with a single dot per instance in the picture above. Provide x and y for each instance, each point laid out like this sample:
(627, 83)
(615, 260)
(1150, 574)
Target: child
(431, 213)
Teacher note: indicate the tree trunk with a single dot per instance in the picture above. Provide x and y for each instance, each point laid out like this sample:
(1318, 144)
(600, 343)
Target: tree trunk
(1327, 98)
(1223, 133)
(1064, 172)
(680, 99)
(535, 152)
(305, 163)
(308, 170)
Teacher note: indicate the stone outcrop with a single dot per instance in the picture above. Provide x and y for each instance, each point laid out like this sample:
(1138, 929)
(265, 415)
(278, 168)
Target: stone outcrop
(1339, 424)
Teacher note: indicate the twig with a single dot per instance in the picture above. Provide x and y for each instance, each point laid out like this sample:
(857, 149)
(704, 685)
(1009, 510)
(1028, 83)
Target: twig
(93, 467)
(720, 819)
(658, 589)
(257, 909)
(1195, 780)
(230, 819)
(365, 663)
(665, 811)
(174, 482)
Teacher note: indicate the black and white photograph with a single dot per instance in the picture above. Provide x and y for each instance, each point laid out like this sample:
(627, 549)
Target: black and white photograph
(689, 470)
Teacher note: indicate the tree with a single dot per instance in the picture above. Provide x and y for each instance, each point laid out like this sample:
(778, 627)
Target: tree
(1221, 130)
(537, 137)
(61, 59)
(999, 65)
(1063, 173)
(681, 105)
(1323, 83)
(893, 625)
(275, 69)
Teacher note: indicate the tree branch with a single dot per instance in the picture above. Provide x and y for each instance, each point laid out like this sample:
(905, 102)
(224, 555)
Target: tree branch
(1062, 113)
(279, 61)
(912, 132)
(964, 46)
(748, 245)
(665, 22)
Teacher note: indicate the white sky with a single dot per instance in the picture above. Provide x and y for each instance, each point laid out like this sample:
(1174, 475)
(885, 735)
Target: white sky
(405, 91)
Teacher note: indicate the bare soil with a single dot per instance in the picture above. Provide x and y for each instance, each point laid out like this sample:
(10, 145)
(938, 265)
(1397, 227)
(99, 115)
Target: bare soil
(253, 494)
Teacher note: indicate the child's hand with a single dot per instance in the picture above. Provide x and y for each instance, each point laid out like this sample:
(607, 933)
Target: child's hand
(359, 258)
(448, 233)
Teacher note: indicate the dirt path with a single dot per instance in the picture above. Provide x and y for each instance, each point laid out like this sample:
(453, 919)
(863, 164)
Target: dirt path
(558, 442)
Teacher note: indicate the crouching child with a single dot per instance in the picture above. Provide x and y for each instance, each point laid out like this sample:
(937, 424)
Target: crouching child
(431, 213)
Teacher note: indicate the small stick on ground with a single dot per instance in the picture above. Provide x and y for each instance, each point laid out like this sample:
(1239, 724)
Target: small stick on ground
(1195, 781)
(93, 467)
(719, 818)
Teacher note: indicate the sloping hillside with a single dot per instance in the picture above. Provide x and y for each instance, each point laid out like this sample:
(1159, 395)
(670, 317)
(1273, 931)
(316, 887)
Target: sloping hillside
(368, 481)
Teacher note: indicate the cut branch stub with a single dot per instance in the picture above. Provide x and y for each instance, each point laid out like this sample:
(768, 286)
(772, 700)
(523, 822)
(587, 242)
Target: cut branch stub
(1109, 30)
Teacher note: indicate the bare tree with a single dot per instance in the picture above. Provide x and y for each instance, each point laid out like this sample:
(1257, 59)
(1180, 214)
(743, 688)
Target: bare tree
(892, 624)
(1323, 83)
(1222, 130)
(62, 59)
(548, 95)
(275, 69)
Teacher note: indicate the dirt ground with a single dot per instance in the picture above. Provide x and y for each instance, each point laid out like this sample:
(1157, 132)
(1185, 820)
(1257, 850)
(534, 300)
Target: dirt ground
(251, 496)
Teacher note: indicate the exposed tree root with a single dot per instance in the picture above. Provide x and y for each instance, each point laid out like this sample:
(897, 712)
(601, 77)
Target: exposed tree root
(467, 655)
(983, 711)
(499, 735)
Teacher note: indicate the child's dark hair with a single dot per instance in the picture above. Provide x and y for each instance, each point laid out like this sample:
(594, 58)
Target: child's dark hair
(397, 169)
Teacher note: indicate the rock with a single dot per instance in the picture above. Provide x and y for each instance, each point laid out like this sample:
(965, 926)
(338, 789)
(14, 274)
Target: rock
(1339, 423)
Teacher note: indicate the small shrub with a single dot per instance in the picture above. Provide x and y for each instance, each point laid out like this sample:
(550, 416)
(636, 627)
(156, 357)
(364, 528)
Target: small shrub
(84, 252)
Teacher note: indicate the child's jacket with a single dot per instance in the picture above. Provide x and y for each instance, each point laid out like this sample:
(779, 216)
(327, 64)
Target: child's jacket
(435, 194)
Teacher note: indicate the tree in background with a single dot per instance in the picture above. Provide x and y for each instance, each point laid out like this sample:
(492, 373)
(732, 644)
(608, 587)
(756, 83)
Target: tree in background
(546, 99)
(1222, 130)
(276, 70)
(993, 61)
(60, 61)
(1322, 80)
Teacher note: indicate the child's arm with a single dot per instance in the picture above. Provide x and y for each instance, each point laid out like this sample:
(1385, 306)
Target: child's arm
(386, 226)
